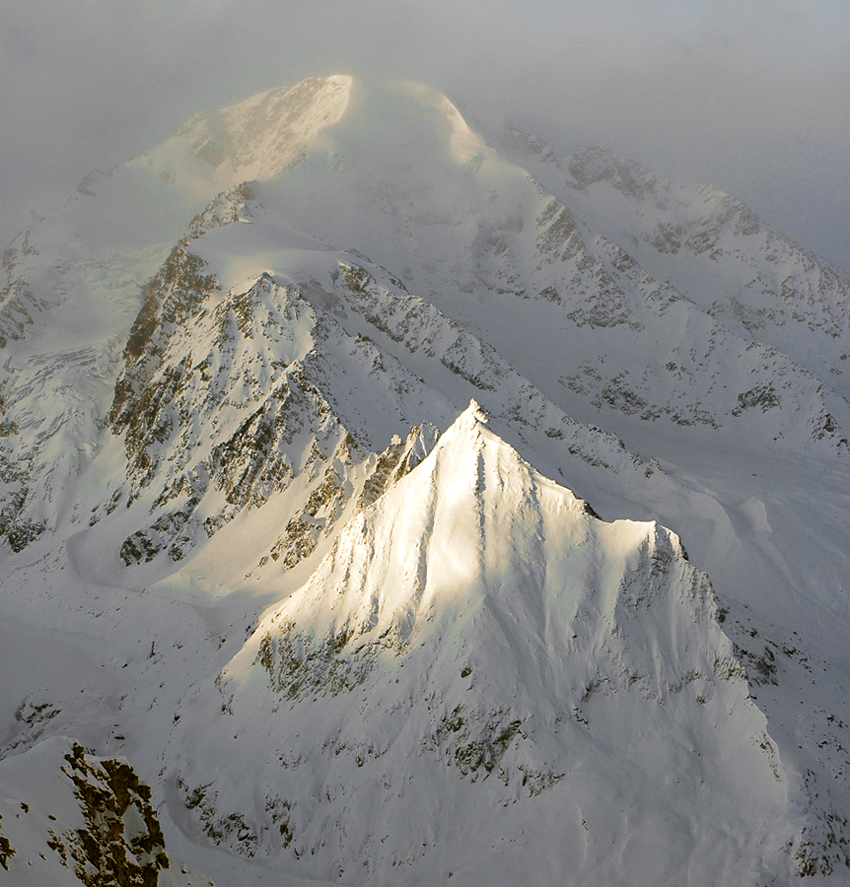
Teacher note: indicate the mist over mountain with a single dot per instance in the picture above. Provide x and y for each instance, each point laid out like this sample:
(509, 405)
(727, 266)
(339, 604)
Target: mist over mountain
(747, 95)
(390, 497)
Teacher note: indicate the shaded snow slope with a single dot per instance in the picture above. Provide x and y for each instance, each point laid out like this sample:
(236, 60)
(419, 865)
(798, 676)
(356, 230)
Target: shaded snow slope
(712, 248)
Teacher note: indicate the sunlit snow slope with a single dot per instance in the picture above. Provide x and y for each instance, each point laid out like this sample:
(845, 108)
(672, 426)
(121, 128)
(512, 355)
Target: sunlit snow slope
(483, 679)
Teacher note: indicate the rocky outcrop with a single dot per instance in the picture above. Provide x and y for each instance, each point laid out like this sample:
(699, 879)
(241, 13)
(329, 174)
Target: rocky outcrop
(121, 841)
(73, 818)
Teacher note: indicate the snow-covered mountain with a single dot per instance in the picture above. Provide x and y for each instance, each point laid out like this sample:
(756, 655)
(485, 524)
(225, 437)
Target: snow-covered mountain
(472, 643)
(257, 541)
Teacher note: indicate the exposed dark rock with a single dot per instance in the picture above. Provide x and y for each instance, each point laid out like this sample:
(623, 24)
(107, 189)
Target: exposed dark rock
(121, 844)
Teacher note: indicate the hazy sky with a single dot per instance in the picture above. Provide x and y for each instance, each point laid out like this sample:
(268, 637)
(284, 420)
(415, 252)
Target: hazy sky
(753, 95)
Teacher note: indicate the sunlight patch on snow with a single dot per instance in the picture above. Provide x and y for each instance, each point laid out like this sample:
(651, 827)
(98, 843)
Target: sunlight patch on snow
(464, 144)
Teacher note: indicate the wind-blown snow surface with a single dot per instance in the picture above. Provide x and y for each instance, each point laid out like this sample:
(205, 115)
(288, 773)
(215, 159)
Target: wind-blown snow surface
(340, 645)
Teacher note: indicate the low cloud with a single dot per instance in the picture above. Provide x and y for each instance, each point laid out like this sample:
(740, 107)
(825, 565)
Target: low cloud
(748, 94)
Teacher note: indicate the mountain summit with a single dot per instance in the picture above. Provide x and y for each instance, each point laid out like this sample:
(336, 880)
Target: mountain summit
(255, 139)
(478, 641)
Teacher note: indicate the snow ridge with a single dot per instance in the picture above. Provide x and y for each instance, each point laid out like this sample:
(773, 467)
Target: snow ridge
(255, 139)
(479, 620)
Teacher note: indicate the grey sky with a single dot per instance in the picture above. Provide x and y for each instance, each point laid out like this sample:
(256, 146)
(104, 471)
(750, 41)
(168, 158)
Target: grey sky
(753, 95)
